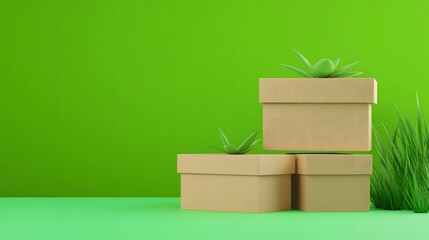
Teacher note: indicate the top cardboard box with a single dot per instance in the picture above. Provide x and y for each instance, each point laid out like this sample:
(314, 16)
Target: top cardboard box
(326, 114)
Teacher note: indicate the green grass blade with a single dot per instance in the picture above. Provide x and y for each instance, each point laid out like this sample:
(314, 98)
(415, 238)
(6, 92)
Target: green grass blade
(299, 71)
(420, 120)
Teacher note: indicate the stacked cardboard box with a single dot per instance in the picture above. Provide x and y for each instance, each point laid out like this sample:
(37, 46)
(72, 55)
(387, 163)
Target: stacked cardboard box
(237, 183)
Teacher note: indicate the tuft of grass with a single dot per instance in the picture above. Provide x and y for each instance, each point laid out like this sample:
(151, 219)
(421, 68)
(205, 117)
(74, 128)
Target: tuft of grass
(401, 178)
(416, 198)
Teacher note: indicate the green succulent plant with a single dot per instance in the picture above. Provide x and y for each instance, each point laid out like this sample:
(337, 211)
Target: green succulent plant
(324, 68)
(248, 145)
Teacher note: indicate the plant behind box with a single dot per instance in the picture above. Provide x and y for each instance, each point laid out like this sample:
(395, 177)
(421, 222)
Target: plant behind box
(324, 68)
(401, 179)
(248, 145)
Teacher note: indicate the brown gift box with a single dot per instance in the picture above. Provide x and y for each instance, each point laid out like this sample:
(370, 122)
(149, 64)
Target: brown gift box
(317, 113)
(332, 182)
(236, 183)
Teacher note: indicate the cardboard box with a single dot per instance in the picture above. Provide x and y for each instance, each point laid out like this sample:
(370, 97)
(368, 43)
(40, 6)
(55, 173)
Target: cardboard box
(333, 182)
(236, 183)
(328, 114)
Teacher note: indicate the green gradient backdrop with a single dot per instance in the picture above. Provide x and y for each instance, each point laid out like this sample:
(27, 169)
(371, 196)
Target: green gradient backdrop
(98, 97)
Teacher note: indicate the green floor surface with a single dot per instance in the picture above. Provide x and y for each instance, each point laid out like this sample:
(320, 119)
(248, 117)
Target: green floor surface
(161, 218)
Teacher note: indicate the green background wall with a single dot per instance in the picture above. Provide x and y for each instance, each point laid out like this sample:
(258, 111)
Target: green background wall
(98, 97)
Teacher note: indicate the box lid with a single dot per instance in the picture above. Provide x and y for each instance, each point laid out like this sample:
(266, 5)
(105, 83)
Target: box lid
(251, 164)
(334, 164)
(317, 90)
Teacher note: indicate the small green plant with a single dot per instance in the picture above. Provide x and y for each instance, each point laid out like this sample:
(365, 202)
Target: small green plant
(401, 177)
(324, 68)
(248, 145)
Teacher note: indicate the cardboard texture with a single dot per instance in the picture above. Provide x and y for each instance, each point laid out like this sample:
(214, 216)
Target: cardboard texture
(236, 183)
(332, 182)
(329, 114)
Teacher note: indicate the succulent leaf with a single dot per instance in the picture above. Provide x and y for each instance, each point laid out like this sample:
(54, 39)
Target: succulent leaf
(256, 142)
(252, 147)
(222, 137)
(323, 68)
(348, 74)
(248, 142)
(343, 69)
(231, 149)
(248, 150)
(303, 61)
(299, 71)
(336, 62)
(219, 149)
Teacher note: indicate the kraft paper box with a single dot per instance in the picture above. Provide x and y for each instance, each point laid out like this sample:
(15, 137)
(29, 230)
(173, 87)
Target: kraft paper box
(332, 182)
(330, 114)
(236, 183)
